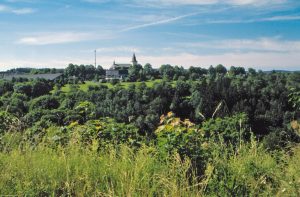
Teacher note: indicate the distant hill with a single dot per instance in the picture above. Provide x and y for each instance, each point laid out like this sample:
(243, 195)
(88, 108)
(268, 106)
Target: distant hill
(33, 71)
(281, 71)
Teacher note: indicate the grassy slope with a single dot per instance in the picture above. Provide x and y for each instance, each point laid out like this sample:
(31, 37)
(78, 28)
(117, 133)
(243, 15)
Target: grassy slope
(83, 171)
(84, 87)
(92, 170)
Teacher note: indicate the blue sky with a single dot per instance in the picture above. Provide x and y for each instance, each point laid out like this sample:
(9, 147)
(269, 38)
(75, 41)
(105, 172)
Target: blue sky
(263, 34)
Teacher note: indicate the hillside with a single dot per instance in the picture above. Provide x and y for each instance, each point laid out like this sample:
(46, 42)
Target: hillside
(181, 132)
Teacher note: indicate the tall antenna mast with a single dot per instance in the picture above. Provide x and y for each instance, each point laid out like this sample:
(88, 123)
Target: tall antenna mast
(95, 58)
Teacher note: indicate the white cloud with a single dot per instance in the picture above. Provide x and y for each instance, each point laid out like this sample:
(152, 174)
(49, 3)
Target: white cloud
(20, 1)
(264, 61)
(186, 2)
(50, 63)
(23, 11)
(212, 2)
(96, 1)
(261, 44)
(118, 49)
(58, 38)
(282, 18)
(255, 2)
(19, 11)
(267, 19)
(3, 8)
(165, 21)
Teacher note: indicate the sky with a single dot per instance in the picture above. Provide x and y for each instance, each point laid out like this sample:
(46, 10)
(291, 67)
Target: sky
(262, 34)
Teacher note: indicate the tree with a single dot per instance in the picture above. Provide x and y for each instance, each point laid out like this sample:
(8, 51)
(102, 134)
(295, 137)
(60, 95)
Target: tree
(18, 104)
(40, 88)
(135, 72)
(167, 71)
(71, 70)
(46, 102)
(23, 88)
(91, 72)
(212, 71)
(148, 71)
(82, 73)
(99, 72)
(220, 69)
(5, 86)
(251, 71)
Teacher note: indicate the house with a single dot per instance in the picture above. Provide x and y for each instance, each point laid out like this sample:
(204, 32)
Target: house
(120, 71)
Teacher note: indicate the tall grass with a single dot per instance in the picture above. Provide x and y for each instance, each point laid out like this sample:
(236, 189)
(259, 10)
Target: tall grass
(92, 170)
(74, 170)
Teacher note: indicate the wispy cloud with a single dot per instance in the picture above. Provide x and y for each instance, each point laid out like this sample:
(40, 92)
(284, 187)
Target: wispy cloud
(282, 18)
(165, 21)
(262, 61)
(4, 8)
(57, 38)
(275, 45)
(96, 1)
(213, 2)
(256, 60)
(253, 20)
(23, 11)
(256, 2)
(20, 1)
(18, 11)
(118, 49)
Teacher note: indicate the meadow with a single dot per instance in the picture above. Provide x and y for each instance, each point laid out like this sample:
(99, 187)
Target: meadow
(85, 86)
(93, 170)
(106, 158)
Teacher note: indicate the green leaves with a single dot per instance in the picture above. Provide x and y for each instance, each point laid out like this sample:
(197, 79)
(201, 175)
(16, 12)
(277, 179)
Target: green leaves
(86, 109)
(231, 129)
(8, 122)
(183, 137)
(294, 98)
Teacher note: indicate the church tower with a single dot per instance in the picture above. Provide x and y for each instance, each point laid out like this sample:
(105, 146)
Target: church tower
(134, 61)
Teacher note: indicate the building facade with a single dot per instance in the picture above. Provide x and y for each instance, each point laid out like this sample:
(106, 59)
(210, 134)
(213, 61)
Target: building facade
(120, 71)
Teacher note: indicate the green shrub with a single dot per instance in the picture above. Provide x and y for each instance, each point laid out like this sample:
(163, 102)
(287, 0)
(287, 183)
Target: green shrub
(183, 137)
(8, 122)
(290, 182)
(233, 129)
(249, 171)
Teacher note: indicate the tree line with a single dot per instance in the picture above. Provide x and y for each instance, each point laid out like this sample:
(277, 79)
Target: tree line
(147, 72)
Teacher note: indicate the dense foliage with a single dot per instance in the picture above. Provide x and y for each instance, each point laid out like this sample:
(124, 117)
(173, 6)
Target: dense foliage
(268, 99)
(196, 132)
(102, 157)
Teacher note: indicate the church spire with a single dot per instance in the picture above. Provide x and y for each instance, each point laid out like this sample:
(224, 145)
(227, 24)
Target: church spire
(134, 61)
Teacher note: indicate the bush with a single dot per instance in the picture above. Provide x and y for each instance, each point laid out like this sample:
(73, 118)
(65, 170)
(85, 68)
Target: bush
(8, 122)
(183, 137)
(114, 81)
(103, 81)
(250, 171)
(46, 102)
(232, 129)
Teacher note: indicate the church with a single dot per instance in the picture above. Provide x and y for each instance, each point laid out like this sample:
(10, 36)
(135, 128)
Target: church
(120, 71)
